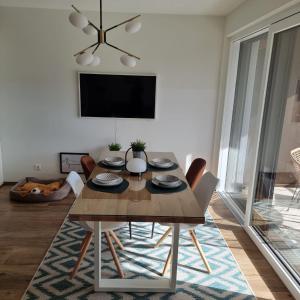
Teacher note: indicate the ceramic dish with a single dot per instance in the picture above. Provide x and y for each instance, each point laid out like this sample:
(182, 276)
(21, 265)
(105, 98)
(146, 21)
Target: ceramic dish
(167, 181)
(114, 161)
(114, 183)
(107, 178)
(161, 162)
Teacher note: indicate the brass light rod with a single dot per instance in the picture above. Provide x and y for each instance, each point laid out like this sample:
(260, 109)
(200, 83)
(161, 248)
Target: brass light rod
(102, 34)
(108, 44)
(96, 48)
(92, 24)
(124, 22)
(100, 14)
(86, 49)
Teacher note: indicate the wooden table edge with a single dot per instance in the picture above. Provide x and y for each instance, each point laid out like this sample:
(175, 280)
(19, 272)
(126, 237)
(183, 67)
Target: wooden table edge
(125, 218)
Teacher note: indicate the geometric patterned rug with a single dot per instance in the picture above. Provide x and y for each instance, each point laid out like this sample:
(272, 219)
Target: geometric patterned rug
(140, 260)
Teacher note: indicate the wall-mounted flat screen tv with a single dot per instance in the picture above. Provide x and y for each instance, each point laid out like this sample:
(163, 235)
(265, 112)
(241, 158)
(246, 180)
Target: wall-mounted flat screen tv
(117, 96)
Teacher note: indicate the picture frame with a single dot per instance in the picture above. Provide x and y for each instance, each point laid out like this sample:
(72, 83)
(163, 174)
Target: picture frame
(70, 161)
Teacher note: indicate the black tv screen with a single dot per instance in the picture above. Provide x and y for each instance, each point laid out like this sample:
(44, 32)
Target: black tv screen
(120, 96)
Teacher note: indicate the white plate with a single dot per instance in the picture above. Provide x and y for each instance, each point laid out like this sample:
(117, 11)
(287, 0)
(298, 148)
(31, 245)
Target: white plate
(115, 183)
(169, 181)
(107, 178)
(157, 183)
(114, 161)
(161, 162)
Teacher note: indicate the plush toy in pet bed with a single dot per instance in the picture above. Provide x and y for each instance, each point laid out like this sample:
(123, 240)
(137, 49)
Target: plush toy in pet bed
(38, 188)
(33, 190)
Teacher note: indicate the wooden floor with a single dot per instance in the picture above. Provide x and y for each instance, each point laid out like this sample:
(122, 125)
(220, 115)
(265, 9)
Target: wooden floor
(26, 232)
(261, 277)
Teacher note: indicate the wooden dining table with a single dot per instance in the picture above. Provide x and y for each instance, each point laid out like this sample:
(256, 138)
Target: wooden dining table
(137, 204)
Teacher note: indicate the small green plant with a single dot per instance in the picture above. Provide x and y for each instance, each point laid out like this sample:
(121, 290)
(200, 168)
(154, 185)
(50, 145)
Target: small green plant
(114, 147)
(138, 145)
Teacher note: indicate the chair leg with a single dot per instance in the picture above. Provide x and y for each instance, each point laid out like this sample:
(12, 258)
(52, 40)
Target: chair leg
(152, 231)
(167, 263)
(83, 242)
(198, 246)
(165, 235)
(116, 239)
(114, 255)
(84, 247)
(129, 229)
(292, 199)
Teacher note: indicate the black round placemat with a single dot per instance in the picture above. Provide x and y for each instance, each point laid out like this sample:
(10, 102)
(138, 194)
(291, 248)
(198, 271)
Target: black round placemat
(101, 164)
(152, 168)
(154, 189)
(109, 189)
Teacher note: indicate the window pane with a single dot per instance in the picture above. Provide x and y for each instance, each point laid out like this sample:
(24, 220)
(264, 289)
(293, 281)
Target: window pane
(244, 120)
(276, 211)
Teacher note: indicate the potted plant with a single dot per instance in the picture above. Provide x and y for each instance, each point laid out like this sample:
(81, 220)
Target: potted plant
(138, 147)
(114, 147)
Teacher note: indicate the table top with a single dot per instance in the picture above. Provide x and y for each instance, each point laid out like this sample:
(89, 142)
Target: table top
(137, 203)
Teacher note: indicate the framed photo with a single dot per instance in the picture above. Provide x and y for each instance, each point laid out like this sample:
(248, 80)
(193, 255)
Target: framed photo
(70, 162)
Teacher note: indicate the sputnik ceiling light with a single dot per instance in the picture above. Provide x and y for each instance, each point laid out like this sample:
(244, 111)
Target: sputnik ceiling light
(84, 57)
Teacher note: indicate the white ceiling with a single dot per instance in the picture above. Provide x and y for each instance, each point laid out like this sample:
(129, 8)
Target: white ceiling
(186, 7)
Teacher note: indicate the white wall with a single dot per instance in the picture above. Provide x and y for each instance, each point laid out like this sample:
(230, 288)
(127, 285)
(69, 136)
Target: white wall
(38, 87)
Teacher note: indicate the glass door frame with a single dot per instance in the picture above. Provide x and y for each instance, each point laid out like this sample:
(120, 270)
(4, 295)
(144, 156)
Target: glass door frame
(233, 61)
(278, 27)
(245, 219)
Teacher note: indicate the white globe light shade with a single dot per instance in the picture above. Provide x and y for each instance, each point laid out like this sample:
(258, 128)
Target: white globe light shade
(78, 20)
(128, 61)
(136, 165)
(90, 30)
(96, 61)
(133, 26)
(84, 59)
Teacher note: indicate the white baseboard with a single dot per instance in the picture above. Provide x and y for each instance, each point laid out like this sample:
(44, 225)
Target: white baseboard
(1, 168)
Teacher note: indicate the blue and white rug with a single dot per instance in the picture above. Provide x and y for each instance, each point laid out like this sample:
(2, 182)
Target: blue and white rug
(226, 281)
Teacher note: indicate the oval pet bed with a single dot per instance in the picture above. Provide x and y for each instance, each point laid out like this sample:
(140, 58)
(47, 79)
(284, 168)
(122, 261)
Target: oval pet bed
(29, 190)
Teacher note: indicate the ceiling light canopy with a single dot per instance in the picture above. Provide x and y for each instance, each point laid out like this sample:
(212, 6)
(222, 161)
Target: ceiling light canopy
(83, 57)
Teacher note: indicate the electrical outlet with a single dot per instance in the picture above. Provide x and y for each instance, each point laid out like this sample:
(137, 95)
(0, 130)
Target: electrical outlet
(37, 167)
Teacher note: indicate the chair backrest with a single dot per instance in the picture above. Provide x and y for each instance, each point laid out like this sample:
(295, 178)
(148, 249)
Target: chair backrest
(77, 185)
(75, 182)
(295, 154)
(88, 164)
(195, 172)
(205, 189)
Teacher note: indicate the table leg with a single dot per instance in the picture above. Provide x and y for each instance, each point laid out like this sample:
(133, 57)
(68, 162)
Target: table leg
(97, 253)
(175, 245)
(135, 285)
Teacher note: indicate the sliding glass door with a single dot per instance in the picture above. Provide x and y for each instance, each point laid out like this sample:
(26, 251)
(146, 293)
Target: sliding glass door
(260, 143)
(244, 126)
(276, 207)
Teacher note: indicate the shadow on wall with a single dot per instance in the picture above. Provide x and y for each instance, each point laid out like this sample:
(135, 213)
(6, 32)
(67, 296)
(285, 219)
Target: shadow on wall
(95, 152)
